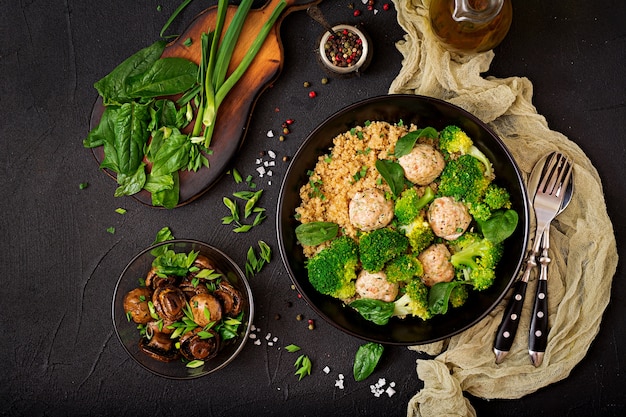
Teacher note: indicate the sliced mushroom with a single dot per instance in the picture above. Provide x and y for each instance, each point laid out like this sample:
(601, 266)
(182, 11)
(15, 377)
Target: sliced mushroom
(159, 347)
(195, 347)
(136, 304)
(230, 297)
(168, 302)
(205, 309)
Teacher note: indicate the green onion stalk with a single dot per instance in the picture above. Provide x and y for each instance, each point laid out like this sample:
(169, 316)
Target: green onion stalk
(214, 86)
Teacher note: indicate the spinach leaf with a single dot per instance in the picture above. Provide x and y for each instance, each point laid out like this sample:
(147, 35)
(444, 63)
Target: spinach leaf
(168, 198)
(172, 155)
(163, 113)
(405, 144)
(131, 136)
(131, 184)
(377, 311)
(166, 76)
(499, 226)
(315, 233)
(104, 132)
(157, 183)
(366, 359)
(392, 173)
(114, 87)
(439, 296)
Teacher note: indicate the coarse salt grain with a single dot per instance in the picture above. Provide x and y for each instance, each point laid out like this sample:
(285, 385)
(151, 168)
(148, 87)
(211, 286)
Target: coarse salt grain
(390, 391)
(326, 370)
(270, 133)
(257, 342)
(252, 336)
(272, 154)
(268, 336)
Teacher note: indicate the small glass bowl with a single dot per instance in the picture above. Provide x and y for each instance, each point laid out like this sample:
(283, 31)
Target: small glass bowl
(129, 336)
(355, 67)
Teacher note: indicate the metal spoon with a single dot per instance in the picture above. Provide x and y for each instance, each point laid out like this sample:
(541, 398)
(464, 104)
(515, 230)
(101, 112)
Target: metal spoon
(510, 321)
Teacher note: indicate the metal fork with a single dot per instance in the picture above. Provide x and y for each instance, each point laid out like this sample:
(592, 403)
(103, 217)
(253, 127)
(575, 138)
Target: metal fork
(553, 191)
(546, 202)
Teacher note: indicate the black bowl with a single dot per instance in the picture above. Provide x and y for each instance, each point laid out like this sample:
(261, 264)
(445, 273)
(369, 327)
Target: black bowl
(128, 334)
(422, 111)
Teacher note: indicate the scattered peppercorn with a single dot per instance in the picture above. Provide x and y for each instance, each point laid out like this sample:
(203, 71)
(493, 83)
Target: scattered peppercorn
(289, 121)
(299, 317)
(285, 130)
(285, 158)
(344, 49)
(312, 94)
(306, 84)
(311, 324)
(386, 6)
(357, 13)
(324, 81)
(281, 138)
(277, 316)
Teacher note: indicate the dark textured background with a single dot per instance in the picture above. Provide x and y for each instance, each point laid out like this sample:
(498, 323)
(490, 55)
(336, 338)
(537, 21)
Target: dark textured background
(59, 265)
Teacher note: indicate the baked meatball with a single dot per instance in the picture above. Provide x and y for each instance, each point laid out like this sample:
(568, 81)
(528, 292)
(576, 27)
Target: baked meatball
(448, 218)
(436, 262)
(423, 164)
(375, 285)
(370, 210)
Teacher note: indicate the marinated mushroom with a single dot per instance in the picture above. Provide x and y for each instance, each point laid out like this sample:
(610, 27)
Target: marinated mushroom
(205, 309)
(169, 302)
(160, 347)
(230, 298)
(193, 346)
(136, 304)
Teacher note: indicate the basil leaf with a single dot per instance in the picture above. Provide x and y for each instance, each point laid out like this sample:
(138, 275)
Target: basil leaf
(377, 311)
(131, 136)
(392, 173)
(166, 76)
(405, 144)
(113, 88)
(315, 233)
(499, 226)
(366, 359)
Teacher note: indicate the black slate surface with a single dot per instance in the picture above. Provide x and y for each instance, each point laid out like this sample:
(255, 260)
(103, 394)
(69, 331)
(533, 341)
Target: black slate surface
(59, 263)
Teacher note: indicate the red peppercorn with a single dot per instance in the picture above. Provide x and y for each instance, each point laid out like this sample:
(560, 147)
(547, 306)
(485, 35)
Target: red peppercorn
(357, 13)
(312, 94)
(370, 7)
(289, 121)
(386, 6)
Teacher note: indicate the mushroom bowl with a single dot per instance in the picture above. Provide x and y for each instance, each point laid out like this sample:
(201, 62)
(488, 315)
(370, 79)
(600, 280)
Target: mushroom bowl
(182, 322)
(405, 110)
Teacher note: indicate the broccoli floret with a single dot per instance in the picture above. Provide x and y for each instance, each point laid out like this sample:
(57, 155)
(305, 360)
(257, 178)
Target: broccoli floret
(332, 271)
(463, 179)
(497, 197)
(419, 233)
(458, 295)
(379, 246)
(403, 268)
(414, 302)
(475, 259)
(409, 204)
(453, 140)
(494, 198)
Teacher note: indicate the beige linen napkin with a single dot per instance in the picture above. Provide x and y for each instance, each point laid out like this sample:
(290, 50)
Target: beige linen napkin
(584, 252)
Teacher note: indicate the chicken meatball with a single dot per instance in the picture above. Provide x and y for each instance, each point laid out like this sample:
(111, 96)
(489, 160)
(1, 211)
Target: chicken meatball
(370, 210)
(375, 286)
(448, 218)
(436, 262)
(423, 164)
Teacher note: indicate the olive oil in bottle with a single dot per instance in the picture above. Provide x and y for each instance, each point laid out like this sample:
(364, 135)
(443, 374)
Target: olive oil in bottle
(470, 25)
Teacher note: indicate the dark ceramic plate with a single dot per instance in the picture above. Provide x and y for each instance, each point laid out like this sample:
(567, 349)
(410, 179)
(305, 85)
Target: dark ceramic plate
(422, 111)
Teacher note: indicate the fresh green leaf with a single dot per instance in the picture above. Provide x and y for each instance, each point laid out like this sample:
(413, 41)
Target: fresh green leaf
(315, 233)
(131, 184)
(166, 76)
(366, 360)
(377, 311)
(111, 230)
(405, 144)
(208, 274)
(131, 136)
(439, 296)
(392, 173)
(113, 88)
(499, 226)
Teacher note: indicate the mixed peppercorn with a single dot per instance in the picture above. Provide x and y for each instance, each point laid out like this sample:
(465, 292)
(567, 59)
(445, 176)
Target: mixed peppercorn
(344, 48)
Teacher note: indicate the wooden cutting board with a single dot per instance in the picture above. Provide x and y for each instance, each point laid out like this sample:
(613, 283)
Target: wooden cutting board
(235, 111)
